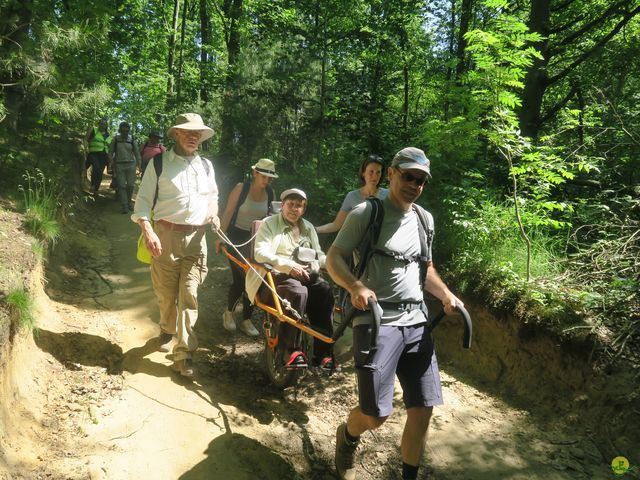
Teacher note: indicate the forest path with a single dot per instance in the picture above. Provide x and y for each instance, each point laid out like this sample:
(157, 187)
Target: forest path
(102, 403)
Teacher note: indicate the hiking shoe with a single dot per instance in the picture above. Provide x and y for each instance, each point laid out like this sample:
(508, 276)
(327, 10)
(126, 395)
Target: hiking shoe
(329, 364)
(183, 367)
(228, 322)
(296, 360)
(124, 210)
(345, 454)
(164, 342)
(247, 327)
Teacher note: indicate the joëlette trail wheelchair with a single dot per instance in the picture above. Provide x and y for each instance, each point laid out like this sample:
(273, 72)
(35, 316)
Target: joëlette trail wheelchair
(281, 376)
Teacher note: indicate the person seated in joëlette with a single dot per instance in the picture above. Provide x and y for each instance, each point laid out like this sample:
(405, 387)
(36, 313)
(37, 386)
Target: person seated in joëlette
(289, 243)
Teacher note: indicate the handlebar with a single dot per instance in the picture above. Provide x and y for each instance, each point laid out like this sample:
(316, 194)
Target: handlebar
(375, 325)
(468, 327)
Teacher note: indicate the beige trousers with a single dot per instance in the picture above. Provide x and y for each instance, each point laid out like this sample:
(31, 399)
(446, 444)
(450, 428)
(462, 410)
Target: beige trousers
(176, 276)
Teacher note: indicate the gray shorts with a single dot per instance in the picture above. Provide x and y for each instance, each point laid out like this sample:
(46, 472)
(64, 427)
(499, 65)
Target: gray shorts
(404, 351)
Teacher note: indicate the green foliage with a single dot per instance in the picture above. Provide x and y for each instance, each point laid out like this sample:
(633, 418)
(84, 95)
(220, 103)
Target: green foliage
(487, 236)
(21, 304)
(41, 206)
(316, 86)
(63, 107)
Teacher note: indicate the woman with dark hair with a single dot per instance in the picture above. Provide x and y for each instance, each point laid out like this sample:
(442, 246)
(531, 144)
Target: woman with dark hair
(371, 175)
(247, 202)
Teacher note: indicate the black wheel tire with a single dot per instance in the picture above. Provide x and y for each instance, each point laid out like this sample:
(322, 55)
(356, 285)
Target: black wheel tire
(279, 376)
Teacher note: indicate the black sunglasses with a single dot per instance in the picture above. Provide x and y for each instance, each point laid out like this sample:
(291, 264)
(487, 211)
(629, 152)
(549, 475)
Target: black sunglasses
(409, 177)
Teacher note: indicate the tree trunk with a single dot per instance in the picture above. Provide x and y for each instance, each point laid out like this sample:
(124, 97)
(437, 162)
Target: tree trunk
(374, 140)
(536, 80)
(181, 57)
(451, 49)
(14, 40)
(232, 10)
(323, 97)
(465, 20)
(204, 56)
(171, 55)
(405, 79)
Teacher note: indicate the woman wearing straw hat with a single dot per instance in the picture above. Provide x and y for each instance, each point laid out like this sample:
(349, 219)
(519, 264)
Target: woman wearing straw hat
(247, 202)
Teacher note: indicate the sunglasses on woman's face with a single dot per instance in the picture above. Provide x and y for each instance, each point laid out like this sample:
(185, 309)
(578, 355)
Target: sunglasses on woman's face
(409, 177)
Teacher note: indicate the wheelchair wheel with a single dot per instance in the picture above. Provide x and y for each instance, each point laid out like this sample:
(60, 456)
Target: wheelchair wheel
(274, 357)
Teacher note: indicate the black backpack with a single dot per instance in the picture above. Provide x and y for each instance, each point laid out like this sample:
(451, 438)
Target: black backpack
(367, 248)
(243, 196)
(115, 146)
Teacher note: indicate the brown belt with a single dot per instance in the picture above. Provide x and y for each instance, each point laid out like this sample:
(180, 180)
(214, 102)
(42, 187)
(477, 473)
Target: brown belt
(179, 227)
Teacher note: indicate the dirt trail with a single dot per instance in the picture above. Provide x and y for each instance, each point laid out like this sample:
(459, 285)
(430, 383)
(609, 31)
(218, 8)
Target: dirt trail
(97, 401)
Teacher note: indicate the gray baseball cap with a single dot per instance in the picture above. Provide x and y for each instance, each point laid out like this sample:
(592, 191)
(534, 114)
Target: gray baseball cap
(412, 158)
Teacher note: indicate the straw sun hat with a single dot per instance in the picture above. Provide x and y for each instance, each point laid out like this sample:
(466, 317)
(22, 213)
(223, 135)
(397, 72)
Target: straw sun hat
(265, 167)
(191, 121)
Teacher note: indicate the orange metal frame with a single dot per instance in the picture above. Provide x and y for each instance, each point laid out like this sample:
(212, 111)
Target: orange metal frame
(276, 310)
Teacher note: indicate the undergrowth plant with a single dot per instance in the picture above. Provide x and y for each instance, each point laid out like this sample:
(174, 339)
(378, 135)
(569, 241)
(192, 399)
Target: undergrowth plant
(21, 303)
(502, 53)
(41, 206)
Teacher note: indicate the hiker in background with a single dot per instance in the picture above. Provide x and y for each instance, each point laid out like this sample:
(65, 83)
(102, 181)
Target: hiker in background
(97, 140)
(248, 201)
(371, 175)
(150, 149)
(394, 276)
(290, 245)
(125, 158)
(183, 199)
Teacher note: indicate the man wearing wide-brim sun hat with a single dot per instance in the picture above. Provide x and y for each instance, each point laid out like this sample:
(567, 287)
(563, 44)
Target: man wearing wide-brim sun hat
(248, 201)
(182, 200)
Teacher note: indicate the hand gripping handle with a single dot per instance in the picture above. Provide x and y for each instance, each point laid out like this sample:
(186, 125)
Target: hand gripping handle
(468, 326)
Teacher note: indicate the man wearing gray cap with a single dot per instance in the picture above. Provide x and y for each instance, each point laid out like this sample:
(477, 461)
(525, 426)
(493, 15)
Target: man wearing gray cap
(392, 277)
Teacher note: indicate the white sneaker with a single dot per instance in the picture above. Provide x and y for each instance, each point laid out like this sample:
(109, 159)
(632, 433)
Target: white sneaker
(228, 322)
(247, 327)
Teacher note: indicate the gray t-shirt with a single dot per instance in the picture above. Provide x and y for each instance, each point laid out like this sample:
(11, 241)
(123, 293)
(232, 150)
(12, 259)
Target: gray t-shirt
(250, 211)
(392, 280)
(354, 198)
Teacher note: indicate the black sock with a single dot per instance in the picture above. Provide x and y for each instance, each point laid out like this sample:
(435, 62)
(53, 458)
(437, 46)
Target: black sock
(409, 472)
(350, 438)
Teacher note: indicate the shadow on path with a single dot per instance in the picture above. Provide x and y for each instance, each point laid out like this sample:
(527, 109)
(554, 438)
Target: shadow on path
(237, 457)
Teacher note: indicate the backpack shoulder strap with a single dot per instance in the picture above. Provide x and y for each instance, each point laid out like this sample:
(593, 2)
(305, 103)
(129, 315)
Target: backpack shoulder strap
(425, 231)
(157, 166)
(205, 164)
(243, 196)
(371, 234)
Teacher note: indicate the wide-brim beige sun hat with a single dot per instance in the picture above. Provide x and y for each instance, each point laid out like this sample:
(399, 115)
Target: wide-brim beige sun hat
(191, 121)
(266, 167)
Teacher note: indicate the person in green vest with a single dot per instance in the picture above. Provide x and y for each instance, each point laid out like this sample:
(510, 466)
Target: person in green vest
(97, 140)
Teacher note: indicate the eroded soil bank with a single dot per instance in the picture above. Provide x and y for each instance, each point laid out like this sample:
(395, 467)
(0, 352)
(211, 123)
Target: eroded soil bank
(88, 397)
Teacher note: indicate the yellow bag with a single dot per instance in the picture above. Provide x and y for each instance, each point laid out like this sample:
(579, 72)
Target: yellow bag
(143, 254)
